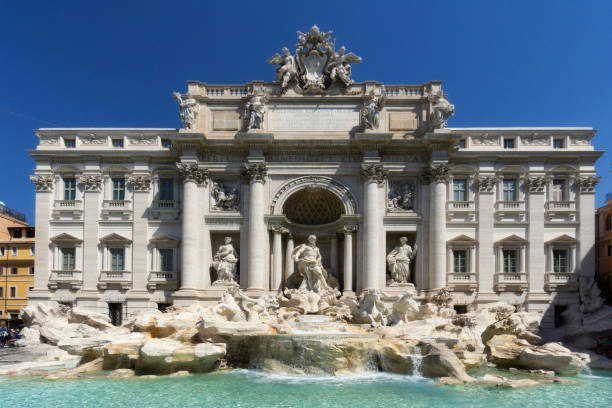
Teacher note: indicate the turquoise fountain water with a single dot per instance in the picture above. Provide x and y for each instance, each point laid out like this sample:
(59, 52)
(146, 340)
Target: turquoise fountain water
(248, 388)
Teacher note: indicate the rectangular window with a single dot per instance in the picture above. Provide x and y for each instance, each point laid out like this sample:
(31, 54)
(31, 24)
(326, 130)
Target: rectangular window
(13, 291)
(167, 143)
(117, 142)
(510, 260)
(117, 259)
(461, 144)
(31, 270)
(30, 233)
(13, 270)
(69, 143)
(508, 143)
(2, 251)
(560, 261)
(17, 233)
(166, 189)
(609, 250)
(460, 260)
(68, 259)
(14, 251)
(608, 223)
(558, 143)
(30, 288)
(558, 190)
(32, 249)
(1, 293)
(118, 189)
(69, 189)
(459, 190)
(166, 260)
(115, 312)
(509, 187)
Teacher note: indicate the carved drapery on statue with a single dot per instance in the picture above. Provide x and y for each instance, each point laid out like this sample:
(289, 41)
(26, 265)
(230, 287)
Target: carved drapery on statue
(91, 182)
(225, 262)
(374, 172)
(192, 172)
(398, 263)
(316, 65)
(401, 196)
(225, 197)
(42, 183)
(441, 110)
(140, 183)
(254, 110)
(309, 266)
(255, 172)
(188, 108)
(370, 111)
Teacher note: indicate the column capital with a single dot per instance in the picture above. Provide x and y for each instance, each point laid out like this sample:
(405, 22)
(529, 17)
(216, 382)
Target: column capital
(193, 172)
(349, 229)
(486, 184)
(435, 173)
(536, 184)
(91, 182)
(586, 184)
(256, 172)
(374, 173)
(140, 183)
(43, 182)
(279, 229)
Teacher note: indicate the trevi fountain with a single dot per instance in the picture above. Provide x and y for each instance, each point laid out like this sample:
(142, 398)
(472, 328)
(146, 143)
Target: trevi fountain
(390, 337)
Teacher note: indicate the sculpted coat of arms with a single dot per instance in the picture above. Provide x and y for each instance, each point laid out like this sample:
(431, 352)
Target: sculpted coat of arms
(316, 65)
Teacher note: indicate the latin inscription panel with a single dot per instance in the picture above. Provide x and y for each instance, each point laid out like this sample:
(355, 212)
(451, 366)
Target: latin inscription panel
(287, 119)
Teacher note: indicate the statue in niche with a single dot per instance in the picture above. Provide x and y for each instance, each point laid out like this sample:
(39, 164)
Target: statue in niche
(287, 67)
(254, 109)
(308, 259)
(398, 262)
(188, 110)
(225, 200)
(401, 198)
(225, 262)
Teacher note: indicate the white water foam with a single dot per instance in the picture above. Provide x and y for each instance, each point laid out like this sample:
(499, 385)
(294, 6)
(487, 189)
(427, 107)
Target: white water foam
(365, 377)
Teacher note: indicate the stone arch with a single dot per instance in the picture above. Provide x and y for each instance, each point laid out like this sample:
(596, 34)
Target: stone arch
(338, 189)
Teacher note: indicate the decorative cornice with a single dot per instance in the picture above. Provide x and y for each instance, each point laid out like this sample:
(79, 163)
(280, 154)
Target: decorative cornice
(436, 173)
(536, 184)
(586, 184)
(256, 172)
(43, 183)
(140, 183)
(193, 172)
(91, 182)
(486, 184)
(374, 172)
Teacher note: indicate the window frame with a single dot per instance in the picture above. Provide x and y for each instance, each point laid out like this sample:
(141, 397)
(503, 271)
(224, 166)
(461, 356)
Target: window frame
(69, 188)
(118, 188)
(514, 189)
(117, 142)
(63, 252)
(12, 292)
(463, 191)
(464, 259)
(116, 258)
(510, 140)
(162, 263)
(557, 139)
(506, 265)
(166, 188)
(557, 267)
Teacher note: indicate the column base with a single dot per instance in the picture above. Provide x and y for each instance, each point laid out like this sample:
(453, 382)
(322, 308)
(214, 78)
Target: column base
(349, 294)
(38, 296)
(185, 297)
(257, 292)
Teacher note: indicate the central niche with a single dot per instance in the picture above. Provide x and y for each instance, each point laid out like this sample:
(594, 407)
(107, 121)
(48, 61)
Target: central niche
(313, 206)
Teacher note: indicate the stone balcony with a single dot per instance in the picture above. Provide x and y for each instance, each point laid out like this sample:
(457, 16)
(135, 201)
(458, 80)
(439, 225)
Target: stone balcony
(121, 278)
(511, 282)
(67, 209)
(71, 278)
(116, 209)
(462, 281)
(560, 211)
(554, 281)
(510, 211)
(460, 211)
(161, 279)
(164, 209)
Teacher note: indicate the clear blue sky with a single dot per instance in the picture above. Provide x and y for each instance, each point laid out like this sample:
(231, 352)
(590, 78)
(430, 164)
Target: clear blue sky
(116, 63)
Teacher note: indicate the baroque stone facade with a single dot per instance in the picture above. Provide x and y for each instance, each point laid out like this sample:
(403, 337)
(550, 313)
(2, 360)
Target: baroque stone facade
(129, 219)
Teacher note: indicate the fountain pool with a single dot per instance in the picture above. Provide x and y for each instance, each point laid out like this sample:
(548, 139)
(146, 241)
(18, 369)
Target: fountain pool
(249, 388)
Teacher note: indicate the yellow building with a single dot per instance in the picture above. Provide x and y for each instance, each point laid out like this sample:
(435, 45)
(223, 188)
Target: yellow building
(16, 273)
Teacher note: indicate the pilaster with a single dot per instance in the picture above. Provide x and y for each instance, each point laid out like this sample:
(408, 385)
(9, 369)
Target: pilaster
(586, 216)
(42, 261)
(141, 187)
(485, 184)
(92, 186)
(536, 187)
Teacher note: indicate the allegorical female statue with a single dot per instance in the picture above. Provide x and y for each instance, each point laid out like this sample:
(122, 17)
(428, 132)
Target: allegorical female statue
(225, 261)
(398, 262)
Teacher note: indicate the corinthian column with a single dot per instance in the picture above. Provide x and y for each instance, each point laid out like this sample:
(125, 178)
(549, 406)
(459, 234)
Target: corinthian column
(348, 259)
(288, 259)
(277, 253)
(374, 177)
(192, 175)
(436, 177)
(256, 174)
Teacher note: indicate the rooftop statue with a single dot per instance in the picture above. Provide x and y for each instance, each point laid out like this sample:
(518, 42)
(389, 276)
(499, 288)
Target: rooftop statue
(188, 108)
(254, 110)
(316, 65)
(370, 111)
(441, 110)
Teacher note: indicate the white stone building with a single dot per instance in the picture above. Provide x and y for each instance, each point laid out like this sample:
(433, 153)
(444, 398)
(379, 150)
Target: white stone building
(131, 218)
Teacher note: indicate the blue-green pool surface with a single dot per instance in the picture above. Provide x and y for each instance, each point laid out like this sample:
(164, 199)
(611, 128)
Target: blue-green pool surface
(247, 388)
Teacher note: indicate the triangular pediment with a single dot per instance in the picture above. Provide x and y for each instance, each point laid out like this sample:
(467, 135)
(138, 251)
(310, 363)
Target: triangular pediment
(462, 239)
(66, 238)
(562, 239)
(163, 238)
(512, 239)
(114, 238)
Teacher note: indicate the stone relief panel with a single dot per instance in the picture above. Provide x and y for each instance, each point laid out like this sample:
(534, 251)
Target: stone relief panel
(580, 140)
(93, 140)
(49, 141)
(43, 183)
(403, 121)
(226, 120)
(485, 140)
(225, 195)
(535, 140)
(313, 156)
(143, 140)
(402, 195)
(324, 118)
